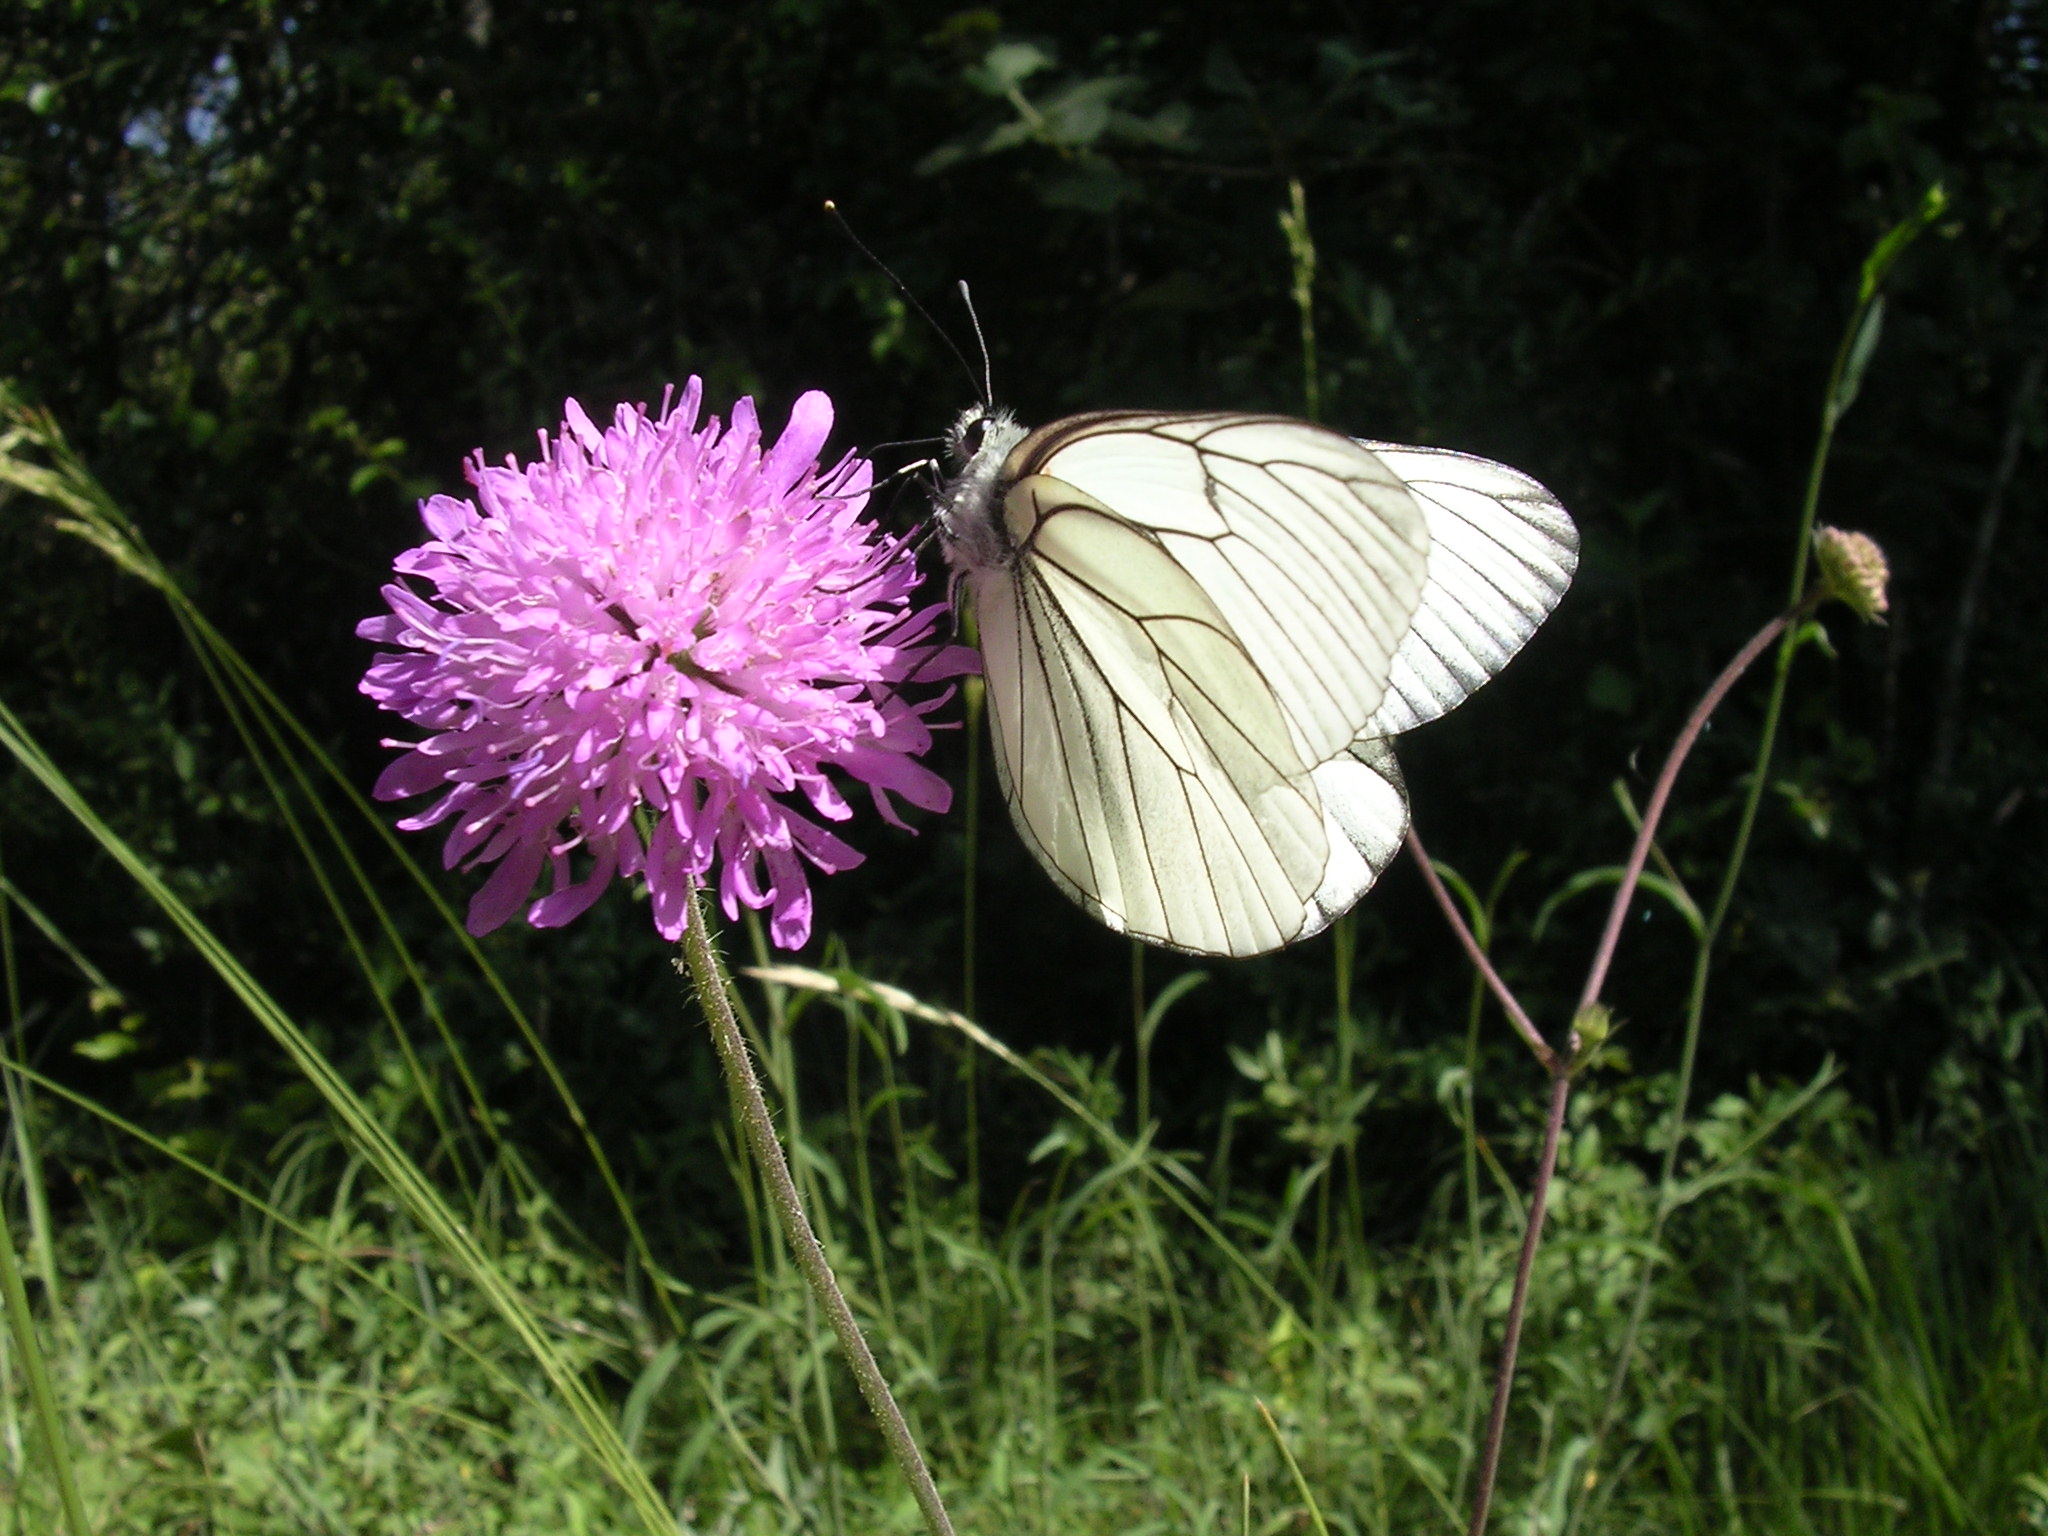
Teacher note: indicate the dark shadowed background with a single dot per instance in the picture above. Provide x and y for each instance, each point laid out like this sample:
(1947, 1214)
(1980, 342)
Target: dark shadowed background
(278, 267)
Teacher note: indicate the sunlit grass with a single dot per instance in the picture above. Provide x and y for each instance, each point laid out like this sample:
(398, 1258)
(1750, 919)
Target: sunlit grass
(1837, 1343)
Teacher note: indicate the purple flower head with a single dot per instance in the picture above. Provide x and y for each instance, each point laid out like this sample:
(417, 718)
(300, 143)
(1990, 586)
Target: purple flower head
(641, 657)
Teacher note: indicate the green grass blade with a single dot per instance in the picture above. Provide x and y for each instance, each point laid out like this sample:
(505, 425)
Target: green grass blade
(100, 521)
(405, 1178)
(1176, 1188)
(23, 1325)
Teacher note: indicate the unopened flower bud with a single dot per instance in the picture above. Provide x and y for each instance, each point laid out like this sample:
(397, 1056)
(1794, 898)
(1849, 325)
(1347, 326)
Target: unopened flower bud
(1853, 569)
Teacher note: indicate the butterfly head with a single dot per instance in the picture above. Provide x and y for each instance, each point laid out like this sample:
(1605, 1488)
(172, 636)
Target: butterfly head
(970, 497)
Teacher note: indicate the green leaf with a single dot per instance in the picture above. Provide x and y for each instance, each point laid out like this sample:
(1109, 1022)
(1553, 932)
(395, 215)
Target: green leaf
(1861, 350)
(110, 1046)
(1090, 185)
(1007, 66)
(1077, 115)
(633, 1420)
(1878, 264)
(1169, 994)
(1593, 879)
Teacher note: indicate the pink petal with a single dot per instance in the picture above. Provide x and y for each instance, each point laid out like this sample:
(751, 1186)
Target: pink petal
(570, 902)
(500, 895)
(810, 423)
(772, 638)
(584, 428)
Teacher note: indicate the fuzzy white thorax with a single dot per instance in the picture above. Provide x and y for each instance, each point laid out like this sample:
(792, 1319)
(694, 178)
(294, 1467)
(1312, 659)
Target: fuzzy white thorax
(970, 500)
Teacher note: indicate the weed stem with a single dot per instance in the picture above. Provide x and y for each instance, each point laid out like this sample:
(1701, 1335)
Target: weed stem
(708, 979)
(1504, 1378)
(1561, 1065)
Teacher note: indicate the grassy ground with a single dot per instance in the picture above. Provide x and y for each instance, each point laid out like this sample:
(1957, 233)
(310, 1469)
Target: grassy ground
(1833, 1341)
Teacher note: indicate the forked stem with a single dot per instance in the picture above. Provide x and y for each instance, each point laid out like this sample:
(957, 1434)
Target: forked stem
(1561, 1065)
(750, 1108)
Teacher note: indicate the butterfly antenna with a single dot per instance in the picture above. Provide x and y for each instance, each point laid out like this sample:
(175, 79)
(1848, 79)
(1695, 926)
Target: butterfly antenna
(988, 377)
(903, 288)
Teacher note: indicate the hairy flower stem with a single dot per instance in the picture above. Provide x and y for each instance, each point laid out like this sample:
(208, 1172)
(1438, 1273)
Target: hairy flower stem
(708, 978)
(1562, 1064)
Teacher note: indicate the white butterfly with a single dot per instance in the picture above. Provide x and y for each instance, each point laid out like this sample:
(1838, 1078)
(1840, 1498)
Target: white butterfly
(1198, 631)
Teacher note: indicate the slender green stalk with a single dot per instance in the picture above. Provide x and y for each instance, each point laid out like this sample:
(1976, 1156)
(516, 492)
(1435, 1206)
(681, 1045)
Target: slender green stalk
(974, 696)
(22, 1322)
(454, 1337)
(970, 880)
(1048, 1357)
(1301, 257)
(1845, 380)
(708, 980)
(864, 1178)
(274, 710)
(1141, 1039)
(1786, 623)
(909, 1173)
(1164, 1175)
(1695, 1015)
(1301, 1486)
(1475, 1009)
(1858, 344)
(41, 1230)
(352, 939)
(1301, 251)
(1561, 1065)
(1481, 914)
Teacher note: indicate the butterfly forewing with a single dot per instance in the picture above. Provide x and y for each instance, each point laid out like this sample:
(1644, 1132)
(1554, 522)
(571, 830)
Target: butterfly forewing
(1310, 547)
(1502, 551)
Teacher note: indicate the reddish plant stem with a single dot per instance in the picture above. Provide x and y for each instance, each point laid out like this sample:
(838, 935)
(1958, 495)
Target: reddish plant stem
(1507, 1000)
(1660, 794)
(1504, 1377)
(1561, 1065)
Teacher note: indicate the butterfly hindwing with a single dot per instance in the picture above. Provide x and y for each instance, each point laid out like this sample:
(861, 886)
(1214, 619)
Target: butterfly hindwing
(1365, 813)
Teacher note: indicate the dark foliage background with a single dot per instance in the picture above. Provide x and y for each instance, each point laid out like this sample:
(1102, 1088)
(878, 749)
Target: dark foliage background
(277, 267)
